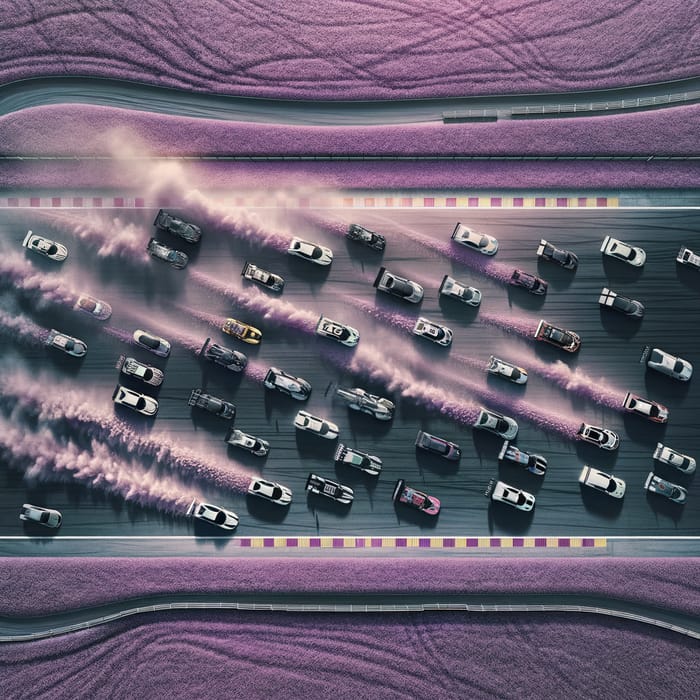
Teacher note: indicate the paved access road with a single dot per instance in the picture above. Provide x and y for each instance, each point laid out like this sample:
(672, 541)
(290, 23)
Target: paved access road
(610, 352)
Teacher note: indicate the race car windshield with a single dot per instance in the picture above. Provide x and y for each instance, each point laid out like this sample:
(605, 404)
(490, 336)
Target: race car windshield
(678, 367)
(87, 304)
(149, 342)
(399, 287)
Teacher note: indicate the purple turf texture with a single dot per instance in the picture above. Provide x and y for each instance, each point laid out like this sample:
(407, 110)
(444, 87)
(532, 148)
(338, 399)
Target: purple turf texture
(351, 50)
(35, 586)
(279, 656)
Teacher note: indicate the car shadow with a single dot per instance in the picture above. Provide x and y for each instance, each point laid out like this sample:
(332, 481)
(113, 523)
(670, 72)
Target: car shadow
(688, 277)
(317, 503)
(642, 430)
(407, 514)
(265, 510)
(617, 271)
(518, 476)
(203, 420)
(362, 424)
(517, 296)
(594, 456)
(366, 256)
(618, 324)
(508, 519)
(435, 463)
(600, 504)
(657, 384)
(352, 477)
(665, 507)
(314, 446)
(558, 278)
(247, 459)
(456, 310)
(311, 273)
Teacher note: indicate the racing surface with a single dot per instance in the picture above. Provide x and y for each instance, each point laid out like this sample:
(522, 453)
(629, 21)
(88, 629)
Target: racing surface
(611, 346)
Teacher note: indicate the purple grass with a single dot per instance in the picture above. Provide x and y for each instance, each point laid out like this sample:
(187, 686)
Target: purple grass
(274, 311)
(365, 50)
(74, 414)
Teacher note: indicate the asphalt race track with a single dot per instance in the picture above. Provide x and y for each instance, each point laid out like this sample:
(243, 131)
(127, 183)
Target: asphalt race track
(611, 346)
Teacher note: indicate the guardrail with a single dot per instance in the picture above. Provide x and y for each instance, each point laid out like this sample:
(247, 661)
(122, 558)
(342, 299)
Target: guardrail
(365, 157)
(347, 608)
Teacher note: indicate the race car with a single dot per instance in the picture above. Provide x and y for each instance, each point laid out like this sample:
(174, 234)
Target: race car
(663, 487)
(139, 370)
(503, 493)
(296, 387)
(242, 331)
(212, 404)
(453, 289)
(363, 235)
(534, 463)
(316, 426)
(438, 446)
(622, 251)
(668, 364)
(600, 437)
(176, 258)
(617, 302)
(213, 515)
(441, 335)
(480, 242)
(363, 461)
(49, 249)
(415, 499)
(346, 335)
(230, 359)
(600, 481)
(157, 345)
(318, 254)
(71, 346)
(262, 277)
(141, 403)
(644, 407)
(496, 423)
(687, 257)
(565, 340)
(360, 400)
(675, 459)
(48, 517)
(531, 283)
(401, 287)
(252, 444)
(175, 225)
(95, 308)
(501, 368)
(330, 489)
(564, 258)
(270, 491)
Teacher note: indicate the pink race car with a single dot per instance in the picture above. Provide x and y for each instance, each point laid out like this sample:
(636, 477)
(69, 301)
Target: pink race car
(416, 499)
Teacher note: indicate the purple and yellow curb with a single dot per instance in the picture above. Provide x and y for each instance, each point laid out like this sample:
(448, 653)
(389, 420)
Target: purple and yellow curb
(453, 543)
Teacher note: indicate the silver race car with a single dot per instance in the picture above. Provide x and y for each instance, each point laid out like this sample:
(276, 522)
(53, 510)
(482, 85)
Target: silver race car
(501, 492)
(363, 461)
(497, 423)
(250, 443)
(270, 491)
(141, 403)
(687, 257)
(479, 242)
(157, 345)
(663, 487)
(319, 254)
(262, 277)
(213, 515)
(48, 248)
(600, 437)
(534, 463)
(95, 308)
(441, 335)
(501, 368)
(400, 287)
(175, 258)
(452, 289)
(296, 387)
(360, 400)
(675, 459)
(345, 335)
(600, 481)
(48, 517)
(316, 426)
(630, 254)
(139, 370)
(66, 343)
(667, 364)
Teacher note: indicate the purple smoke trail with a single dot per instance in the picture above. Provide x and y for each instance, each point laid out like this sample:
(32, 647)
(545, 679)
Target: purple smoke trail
(18, 328)
(43, 458)
(329, 225)
(276, 311)
(110, 237)
(77, 415)
(213, 320)
(482, 264)
(119, 334)
(523, 327)
(470, 362)
(393, 319)
(41, 291)
(255, 372)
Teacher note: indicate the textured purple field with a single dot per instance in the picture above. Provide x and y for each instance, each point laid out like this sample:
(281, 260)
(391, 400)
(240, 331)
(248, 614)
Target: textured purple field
(35, 586)
(430, 655)
(350, 50)
(87, 130)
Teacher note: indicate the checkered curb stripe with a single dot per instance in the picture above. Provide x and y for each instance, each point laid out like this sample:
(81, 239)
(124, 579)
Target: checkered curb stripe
(419, 542)
(358, 201)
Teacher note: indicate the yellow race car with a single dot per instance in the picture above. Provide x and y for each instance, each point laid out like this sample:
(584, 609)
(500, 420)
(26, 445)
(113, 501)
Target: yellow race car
(242, 331)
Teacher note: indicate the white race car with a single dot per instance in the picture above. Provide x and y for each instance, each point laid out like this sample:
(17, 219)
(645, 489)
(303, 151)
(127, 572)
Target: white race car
(622, 251)
(270, 491)
(318, 426)
(675, 459)
(617, 302)
(213, 515)
(252, 444)
(503, 493)
(262, 277)
(43, 516)
(645, 407)
(359, 460)
(401, 287)
(534, 463)
(668, 364)
(687, 257)
(330, 489)
(497, 423)
(157, 345)
(139, 370)
(453, 289)
(360, 400)
(442, 335)
(600, 481)
(71, 346)
(501, 368)
(100, 310)
(312, 252)
(666, 488)
(346, 335)
(600, 437)
(146, 405)
(49, 249)
(480, 242)
(296, 387)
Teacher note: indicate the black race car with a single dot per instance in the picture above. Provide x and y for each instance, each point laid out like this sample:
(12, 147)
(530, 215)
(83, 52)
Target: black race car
(565, 258)
(230, 359)
(365, 236)
(175, 225)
